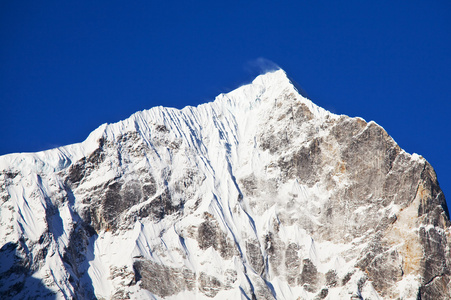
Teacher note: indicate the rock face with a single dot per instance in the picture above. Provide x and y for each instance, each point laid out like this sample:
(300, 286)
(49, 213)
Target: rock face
(258, 195)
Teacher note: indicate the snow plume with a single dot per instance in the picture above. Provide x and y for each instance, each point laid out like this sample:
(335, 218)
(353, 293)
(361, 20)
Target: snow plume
(261, 65)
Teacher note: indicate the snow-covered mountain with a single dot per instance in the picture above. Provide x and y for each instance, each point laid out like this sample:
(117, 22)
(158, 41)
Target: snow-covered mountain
(260, 194)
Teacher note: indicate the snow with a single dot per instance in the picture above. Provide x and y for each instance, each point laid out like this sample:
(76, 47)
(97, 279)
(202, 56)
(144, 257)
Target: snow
(219, 140)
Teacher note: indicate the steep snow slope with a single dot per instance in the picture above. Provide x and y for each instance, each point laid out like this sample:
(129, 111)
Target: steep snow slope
(259, 194)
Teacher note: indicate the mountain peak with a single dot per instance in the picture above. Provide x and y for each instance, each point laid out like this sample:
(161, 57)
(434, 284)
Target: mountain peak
(271, 77)
(258, 194)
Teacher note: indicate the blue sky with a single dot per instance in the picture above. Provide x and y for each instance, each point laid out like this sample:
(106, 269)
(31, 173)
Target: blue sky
(66, 68)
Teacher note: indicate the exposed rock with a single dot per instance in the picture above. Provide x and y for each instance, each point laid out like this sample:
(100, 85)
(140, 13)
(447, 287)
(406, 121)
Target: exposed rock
(209, 285)
(207, 235)
(292, 263)
(322, 294)
(436, 289)
(274, 247)
(303, 164)
(331, 278)
(230, 276)
(160, 207)
(161, 280)
(254, 255)
(210, 235)
(309, 276)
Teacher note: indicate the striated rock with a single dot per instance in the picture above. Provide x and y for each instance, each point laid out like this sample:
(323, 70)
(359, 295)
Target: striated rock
(161, 280)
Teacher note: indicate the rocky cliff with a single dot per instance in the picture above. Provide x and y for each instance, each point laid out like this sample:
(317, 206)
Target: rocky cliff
(260, 194)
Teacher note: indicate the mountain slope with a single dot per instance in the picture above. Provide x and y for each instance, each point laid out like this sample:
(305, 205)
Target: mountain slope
(259, 194)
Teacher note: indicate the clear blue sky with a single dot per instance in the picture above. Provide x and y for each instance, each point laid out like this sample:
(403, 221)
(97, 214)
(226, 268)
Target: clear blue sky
(66, 67)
